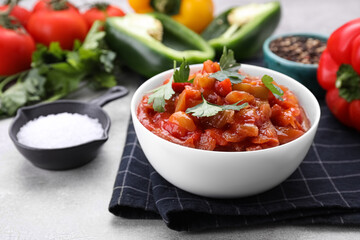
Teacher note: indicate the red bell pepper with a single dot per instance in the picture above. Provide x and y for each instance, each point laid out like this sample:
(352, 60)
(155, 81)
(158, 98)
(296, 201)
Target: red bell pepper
(339, 73)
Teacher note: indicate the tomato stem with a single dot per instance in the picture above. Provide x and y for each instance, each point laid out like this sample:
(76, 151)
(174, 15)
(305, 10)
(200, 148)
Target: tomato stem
(8, 2)
(58, 5)
(8, 21)
(102, 6)
(11, 4)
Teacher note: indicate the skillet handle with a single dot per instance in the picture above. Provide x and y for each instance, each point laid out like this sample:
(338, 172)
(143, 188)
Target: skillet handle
(112, 94)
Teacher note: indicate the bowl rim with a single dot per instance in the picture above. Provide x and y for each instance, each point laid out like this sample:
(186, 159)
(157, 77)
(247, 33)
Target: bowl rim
(139, 93)
(284, 61)
(21, 110)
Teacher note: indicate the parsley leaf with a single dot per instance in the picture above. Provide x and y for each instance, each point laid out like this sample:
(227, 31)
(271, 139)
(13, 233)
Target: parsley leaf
(268, 82)
(107, 58)
(103, 80)
(229, 68)
(48, 55)
(227, 61)
(94, 37)
(29, 88)
(165, 92)
(234, 77)
(160, 94)
(181, 74)
(206, 109)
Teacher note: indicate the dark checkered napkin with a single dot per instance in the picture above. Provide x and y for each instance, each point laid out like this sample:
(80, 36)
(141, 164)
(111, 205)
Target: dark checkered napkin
(324, 189)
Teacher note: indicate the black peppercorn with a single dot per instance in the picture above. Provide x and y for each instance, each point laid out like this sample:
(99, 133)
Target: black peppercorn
(300, 49)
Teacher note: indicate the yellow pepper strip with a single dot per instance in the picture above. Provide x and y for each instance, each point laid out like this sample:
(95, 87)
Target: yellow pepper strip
(195, 14)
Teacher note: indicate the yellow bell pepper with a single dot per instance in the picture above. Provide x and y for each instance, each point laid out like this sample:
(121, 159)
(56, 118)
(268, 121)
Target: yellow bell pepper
(195, 14)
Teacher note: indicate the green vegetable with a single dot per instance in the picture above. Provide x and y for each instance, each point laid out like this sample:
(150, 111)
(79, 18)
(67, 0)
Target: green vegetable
(55, 73)
(268, 82)
(206, 109)
(229, 68)
(149, 43)
(243, 29)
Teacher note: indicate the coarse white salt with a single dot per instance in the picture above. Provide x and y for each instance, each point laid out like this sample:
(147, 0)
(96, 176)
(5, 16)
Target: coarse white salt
(60, 131)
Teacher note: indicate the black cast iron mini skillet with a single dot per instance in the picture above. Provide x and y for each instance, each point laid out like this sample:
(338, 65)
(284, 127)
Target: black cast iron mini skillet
(69, 157)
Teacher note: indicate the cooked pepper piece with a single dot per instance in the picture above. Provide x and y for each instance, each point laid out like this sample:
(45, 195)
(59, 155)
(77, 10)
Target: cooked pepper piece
(149, 43)
(243, 29)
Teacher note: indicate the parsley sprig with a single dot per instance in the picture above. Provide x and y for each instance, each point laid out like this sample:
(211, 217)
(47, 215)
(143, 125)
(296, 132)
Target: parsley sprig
(182, 74)
(276, 91)
(206, 109)
(165, 92)
(160, 94)
(227, 60)
(229, 68)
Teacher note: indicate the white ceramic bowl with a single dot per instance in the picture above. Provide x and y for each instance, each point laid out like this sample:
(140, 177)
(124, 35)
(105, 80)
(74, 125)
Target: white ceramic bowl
(226, 174)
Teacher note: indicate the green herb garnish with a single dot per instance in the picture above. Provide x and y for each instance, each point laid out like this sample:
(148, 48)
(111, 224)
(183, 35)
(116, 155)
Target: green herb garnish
(224, 74)
(165, 92)
(227, 61)
(206, 109)
(229, 68)
(181, 74)
(268, 82)
(160, 94)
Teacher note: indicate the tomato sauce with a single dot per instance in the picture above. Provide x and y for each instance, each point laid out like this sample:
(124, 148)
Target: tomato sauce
(266, 122)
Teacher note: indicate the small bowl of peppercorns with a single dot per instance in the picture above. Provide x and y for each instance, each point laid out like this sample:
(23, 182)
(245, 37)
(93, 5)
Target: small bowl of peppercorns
(296, 55)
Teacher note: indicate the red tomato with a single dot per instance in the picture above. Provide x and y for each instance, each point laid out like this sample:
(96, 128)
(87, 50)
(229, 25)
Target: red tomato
(101, 12)
(175, 130)
(45, 5)
(63, 26)
(179, 87)
(224, 87)
(19, 13)
(16, 48)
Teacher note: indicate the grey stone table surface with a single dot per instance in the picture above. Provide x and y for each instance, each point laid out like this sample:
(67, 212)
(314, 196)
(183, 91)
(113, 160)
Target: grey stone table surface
(39, 204)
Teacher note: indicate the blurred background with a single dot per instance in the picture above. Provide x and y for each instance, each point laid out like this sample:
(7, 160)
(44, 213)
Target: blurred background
(321, 16)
